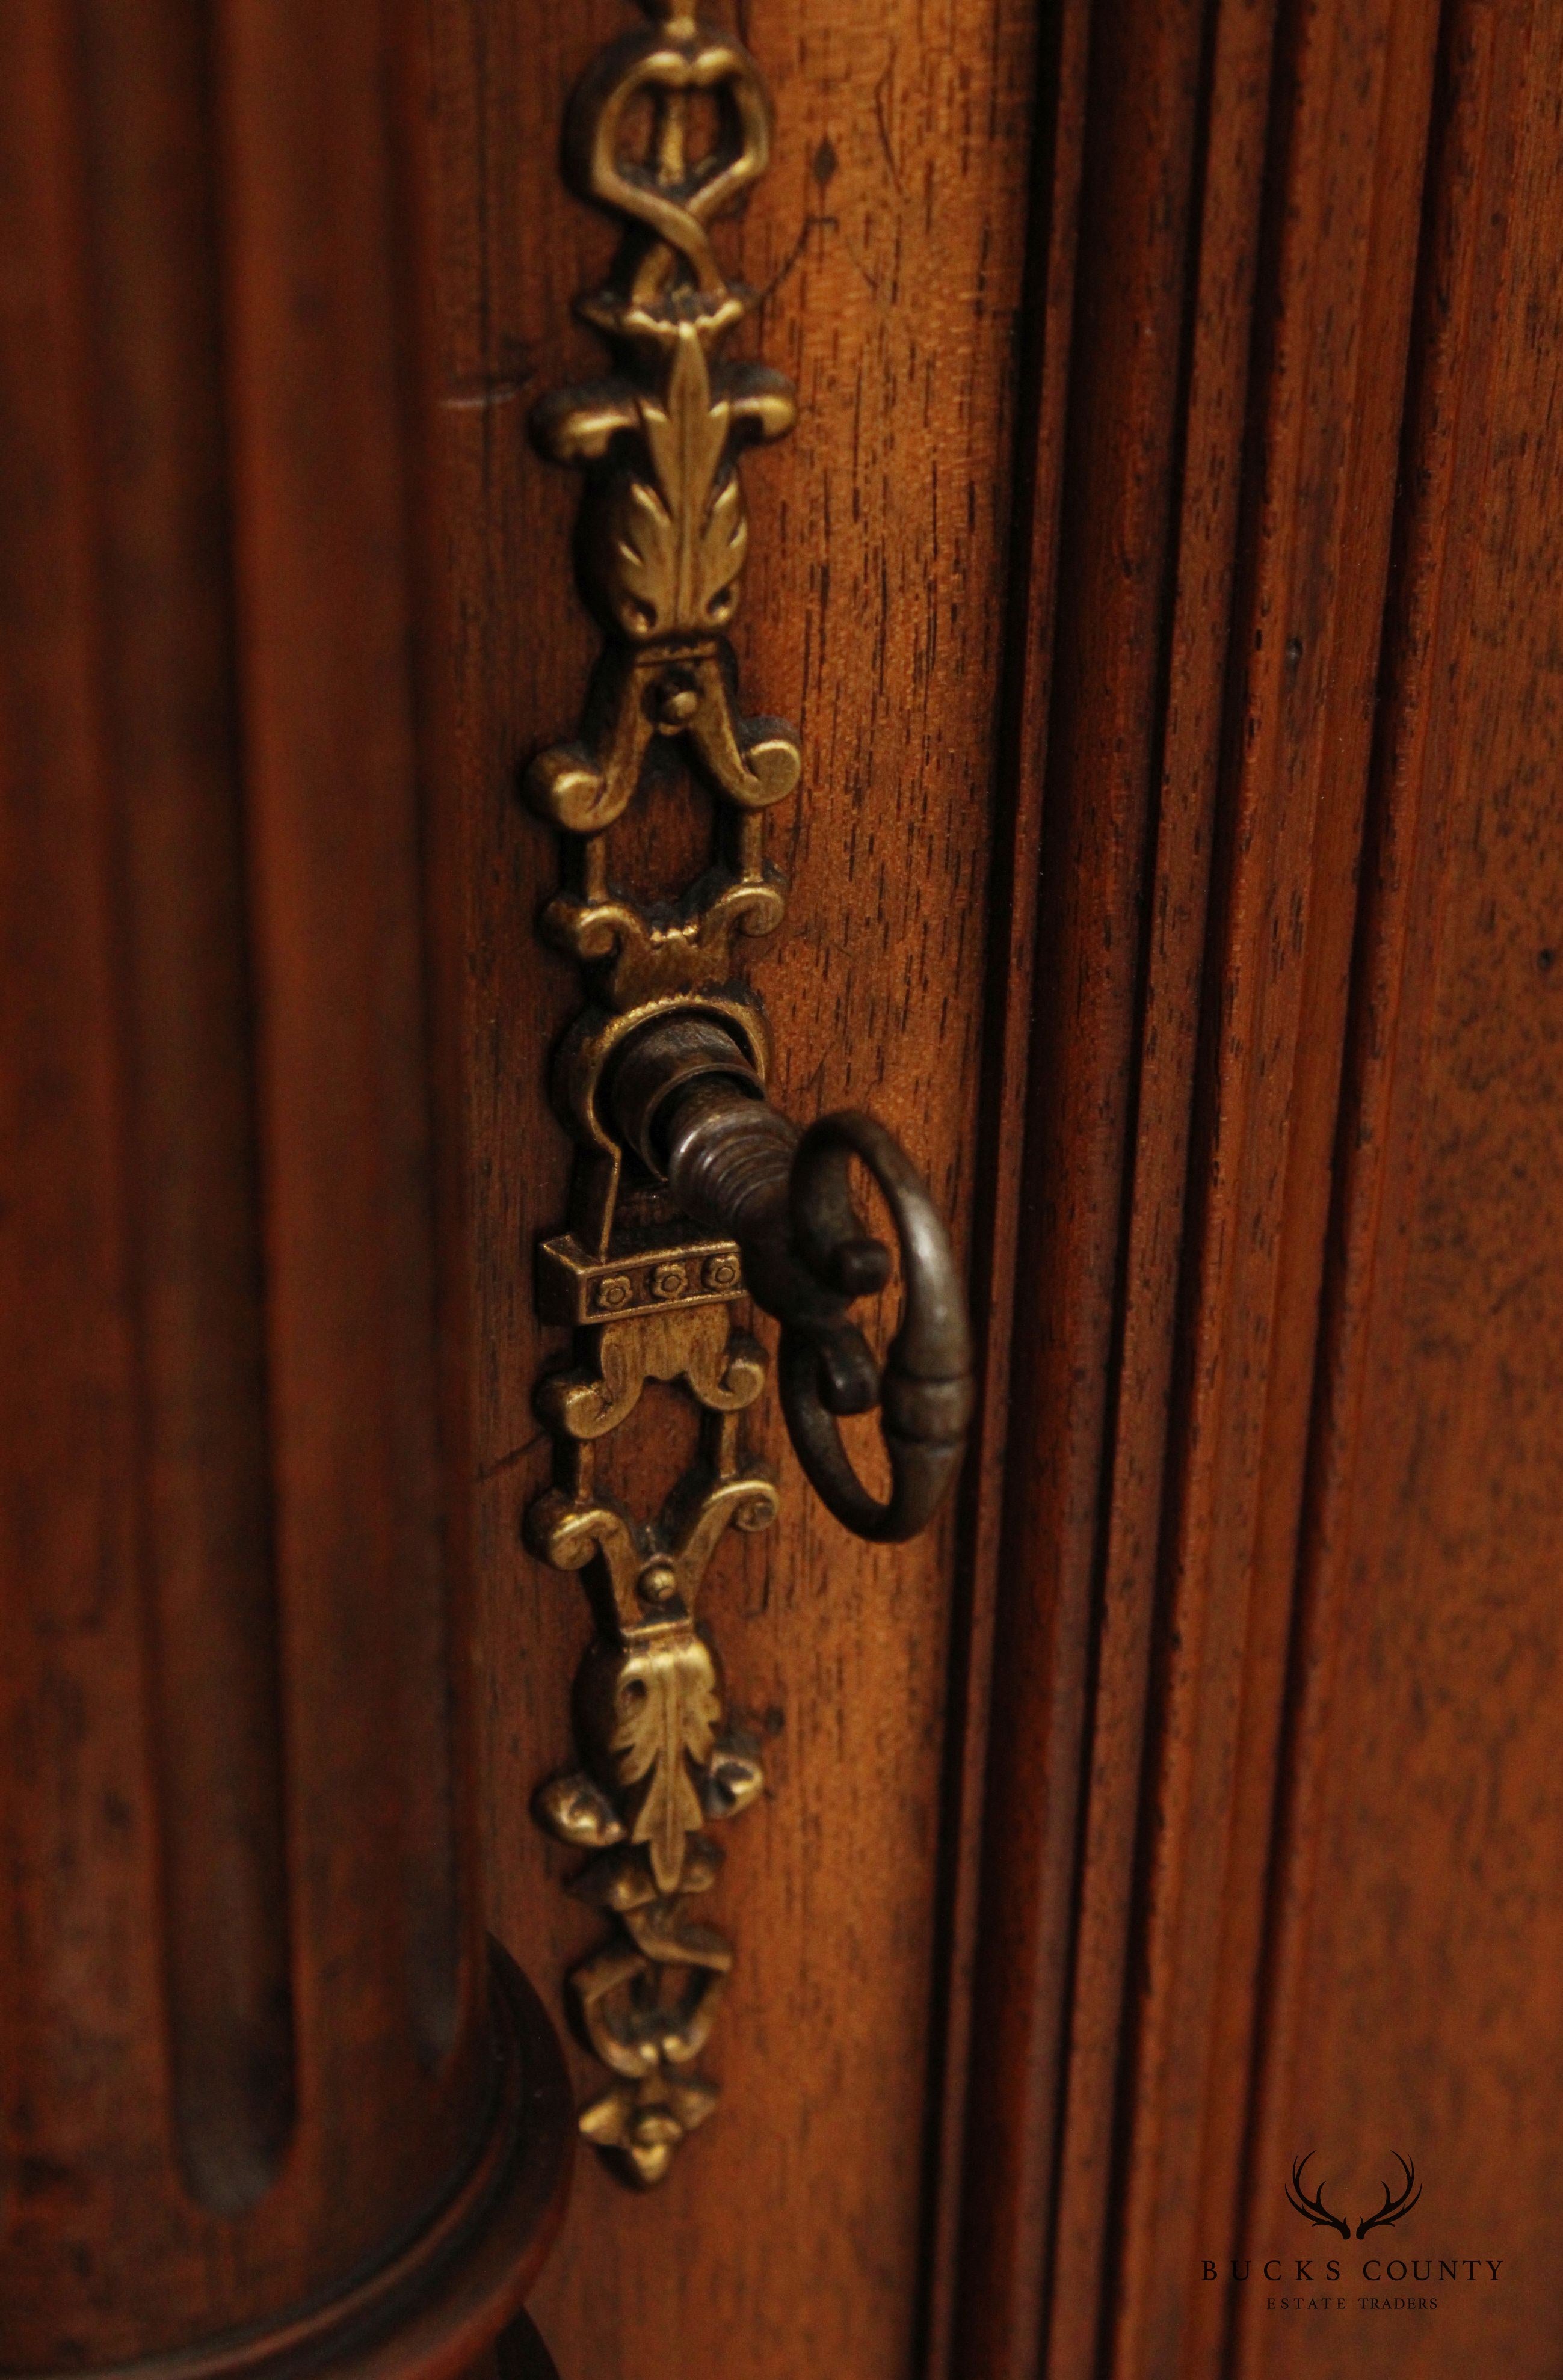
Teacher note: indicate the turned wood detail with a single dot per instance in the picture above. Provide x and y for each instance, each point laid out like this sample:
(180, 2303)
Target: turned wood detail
(269, 2099)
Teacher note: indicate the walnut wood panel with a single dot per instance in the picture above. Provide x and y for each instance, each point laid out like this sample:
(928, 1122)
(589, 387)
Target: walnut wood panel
(1101, 764)
(1354, 86)
(1162, 1522)
(1414, 1978)
(251, 2068)
(1044, 1965)
(888, 238)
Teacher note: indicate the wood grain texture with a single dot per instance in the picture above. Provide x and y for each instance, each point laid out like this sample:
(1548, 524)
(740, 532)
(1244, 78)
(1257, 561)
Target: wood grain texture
(1101, 768)
(1263, 570)
(1415, 1901)
(1354, 88)
(1163, 577)
(1001, 1240)
(1234, 421)
(248, 2049)
(888, 238)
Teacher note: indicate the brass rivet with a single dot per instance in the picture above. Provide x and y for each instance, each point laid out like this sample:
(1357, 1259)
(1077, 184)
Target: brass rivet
(658, 1582)
(678, 699)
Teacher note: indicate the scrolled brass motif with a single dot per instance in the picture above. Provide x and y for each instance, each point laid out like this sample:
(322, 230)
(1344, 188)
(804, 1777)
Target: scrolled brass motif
(661, 547)
(688, 1193)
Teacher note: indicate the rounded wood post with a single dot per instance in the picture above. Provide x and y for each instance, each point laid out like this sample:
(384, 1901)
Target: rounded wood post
(269, 2099)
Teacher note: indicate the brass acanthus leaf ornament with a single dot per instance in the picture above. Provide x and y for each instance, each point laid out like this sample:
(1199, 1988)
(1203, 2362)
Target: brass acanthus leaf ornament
(662, 543)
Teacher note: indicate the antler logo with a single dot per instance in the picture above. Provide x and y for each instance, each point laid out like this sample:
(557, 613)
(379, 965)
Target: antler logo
(1393, 2208)
(1313, 2210)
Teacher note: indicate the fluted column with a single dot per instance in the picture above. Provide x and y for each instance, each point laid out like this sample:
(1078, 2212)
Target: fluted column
(267, 2099)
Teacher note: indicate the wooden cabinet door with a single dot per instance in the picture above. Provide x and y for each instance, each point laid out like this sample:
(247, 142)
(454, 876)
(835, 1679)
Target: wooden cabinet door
(1162, 573)
(1145, 1946)
(791, 2230)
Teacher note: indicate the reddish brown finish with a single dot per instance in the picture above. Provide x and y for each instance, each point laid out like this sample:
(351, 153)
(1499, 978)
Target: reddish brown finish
(252, 2070)
(888, 237)
(1000, 1235)
(1094, 2187)
(1421, 1829)
(1101, 774)
(1223, 202)
(1212, 422)
(1175, 869)
(1306, 628)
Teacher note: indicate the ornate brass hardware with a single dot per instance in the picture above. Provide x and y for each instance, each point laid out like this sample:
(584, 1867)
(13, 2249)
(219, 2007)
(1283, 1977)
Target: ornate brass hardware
(690, 1192)
(691, 1107)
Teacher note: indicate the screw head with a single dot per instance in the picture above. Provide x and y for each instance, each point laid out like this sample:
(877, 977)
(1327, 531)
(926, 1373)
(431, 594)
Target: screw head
(678, 699)
(658, 1582)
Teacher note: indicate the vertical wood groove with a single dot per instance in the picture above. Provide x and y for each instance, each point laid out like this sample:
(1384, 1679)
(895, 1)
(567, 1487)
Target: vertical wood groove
(1463, 265)
(1345, 199)
(1042, 381)
(176, 872)
(247, 2042)
(346, 1147)
(1106, 755)
(447, 1973)
(1214, 398)
(1299, 197)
